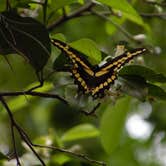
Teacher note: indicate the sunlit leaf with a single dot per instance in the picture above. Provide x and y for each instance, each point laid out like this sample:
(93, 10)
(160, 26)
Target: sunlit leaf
(60, 159)
(126, 8)
(82, 131)
(112, 124)
(57, 4)
(89, 48)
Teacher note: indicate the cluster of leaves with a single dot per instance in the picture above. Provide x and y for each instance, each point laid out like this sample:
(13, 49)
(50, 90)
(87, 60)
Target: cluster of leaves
(29, 37)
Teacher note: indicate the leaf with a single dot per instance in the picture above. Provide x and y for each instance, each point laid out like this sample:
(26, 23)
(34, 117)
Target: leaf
(89, 48)
(112, 124)
(156, 91)
(22, 3)
(110, 28)
(142, 71)
(25, 36)
(135, 86)
(126, 8)
(57, 4)
(2, 156)
(82, 131)
(60, 159)
(3, 5)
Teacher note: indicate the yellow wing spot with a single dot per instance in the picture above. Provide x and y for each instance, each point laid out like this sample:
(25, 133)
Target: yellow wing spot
(129, 55)
(102, 72)
(79, 79)
(101, 86)
(71, 54)
(115, 63)
(119, 65)
(74, 71)
(105, 83)
(83, 84)
(108, 67)
(109, 80)
(77, 75)
(95, 90)
(113, 77)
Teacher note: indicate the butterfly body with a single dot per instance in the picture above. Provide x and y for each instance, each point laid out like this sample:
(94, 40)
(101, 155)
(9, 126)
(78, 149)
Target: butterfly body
(94, 80)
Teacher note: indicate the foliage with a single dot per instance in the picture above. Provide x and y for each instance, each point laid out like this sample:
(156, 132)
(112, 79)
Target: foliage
(56, 114)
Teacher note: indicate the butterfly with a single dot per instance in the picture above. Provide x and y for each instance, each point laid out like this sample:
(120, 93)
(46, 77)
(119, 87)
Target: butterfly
(95, 79)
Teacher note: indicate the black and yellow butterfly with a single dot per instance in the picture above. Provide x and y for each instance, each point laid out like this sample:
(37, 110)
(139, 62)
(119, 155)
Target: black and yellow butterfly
(94, 79)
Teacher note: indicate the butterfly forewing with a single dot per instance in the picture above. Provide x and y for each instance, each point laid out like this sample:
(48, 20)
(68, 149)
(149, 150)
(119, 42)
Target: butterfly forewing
(74, 56)
(106, 74)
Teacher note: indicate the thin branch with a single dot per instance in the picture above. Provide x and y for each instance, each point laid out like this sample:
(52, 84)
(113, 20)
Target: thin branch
(21, 132)
(82, 156)
(120, 28)
(161, 15)
(33, 93)
(162, 4)
(75, 14)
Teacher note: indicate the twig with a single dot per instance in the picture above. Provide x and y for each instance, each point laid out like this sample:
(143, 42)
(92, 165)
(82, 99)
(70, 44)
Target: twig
(161, 15)
(75, 14)
(127, 34)
(82, 156)
(21, 132)
(12, 129)
(162, 4)
(33, 93)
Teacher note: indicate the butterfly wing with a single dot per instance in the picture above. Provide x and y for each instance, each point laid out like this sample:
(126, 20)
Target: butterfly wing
(107, 73)
(82, 70)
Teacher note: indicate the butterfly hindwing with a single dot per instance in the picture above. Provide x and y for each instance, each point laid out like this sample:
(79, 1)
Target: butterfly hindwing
(106, 74)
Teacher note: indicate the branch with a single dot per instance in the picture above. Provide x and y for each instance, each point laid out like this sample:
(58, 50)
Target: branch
(162, 4)
(33, 93)
(161, 15)
(75, 14)
(82, 156)
(48, 95)
(21, 132)
(127, 34)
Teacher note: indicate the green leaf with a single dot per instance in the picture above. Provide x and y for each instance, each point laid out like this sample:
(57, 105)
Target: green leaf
(124, 6)
(142, 71)
(22, 3)
(89, 48)
(3, 5)
(60, 159)
(82, 131)
(156, 91)
(110, 28)
(2, 156)
(57, 4)
(25, 36)
(112, 124)
(135, 86)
